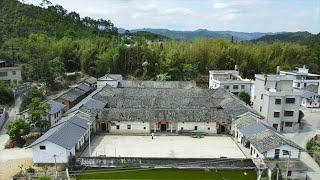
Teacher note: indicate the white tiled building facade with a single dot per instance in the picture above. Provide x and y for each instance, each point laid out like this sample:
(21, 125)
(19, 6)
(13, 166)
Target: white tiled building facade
(275, 99)
(229, 80)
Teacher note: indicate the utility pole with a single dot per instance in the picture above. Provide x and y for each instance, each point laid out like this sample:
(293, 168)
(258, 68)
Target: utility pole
(288, 165)
(89, 138)
(277, 173)
(55, 164)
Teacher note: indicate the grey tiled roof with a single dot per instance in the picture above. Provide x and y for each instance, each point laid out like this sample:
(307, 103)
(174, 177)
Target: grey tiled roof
(111, 76)
(72, 94)
(268, 140)
(309, 95)
(91, 80)
(148, 104)
(55, 106)
(245, 120)
(95, 104)
(253, 129)
(65, 133)
(160, 84)
(84, 87)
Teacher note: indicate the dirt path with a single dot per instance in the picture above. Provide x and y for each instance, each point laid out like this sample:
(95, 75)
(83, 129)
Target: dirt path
(11, 167)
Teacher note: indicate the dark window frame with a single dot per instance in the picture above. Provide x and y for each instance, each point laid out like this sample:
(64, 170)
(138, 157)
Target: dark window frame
(290, 100)
(277, 101)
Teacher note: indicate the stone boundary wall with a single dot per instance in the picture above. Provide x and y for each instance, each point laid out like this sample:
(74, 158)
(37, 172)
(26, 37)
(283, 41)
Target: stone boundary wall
(217, 163)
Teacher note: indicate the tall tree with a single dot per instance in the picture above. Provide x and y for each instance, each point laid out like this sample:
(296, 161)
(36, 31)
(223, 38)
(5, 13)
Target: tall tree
(32, 93)
(38, 114)
(6, 94)
(16, 129)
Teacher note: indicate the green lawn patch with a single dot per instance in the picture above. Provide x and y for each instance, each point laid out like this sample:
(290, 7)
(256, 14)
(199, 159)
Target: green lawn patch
(171, 174)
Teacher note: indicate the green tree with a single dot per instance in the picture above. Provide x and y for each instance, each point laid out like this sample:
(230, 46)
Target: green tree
(6, 94)
(55, 70)
(38, 114)
(163, 77)
(301, 115)
(32, 93)
(16, 129)
(245, 97)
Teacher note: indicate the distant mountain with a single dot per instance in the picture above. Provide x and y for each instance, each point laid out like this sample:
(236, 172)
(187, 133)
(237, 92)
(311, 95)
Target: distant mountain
(301, 37)
(201, 33)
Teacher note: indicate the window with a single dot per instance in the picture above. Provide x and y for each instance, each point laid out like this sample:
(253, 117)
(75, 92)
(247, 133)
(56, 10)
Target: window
(3, 74)
(261, 96)
(208, 129)
(288, 113)
(226, 87)
(290, 100)
(181, 128)
(276, 114)
(128, 126)
(275, 126)
(144, 128)
(43, 147)
(195, 127)
(298, 84)
(260, 108)
(278, 101)
(13, 72)
(118, 126)
(235, 86)
(242, 86)
(288, 124)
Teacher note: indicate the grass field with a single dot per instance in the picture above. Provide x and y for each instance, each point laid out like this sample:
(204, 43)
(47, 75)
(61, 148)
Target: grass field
(171, 174)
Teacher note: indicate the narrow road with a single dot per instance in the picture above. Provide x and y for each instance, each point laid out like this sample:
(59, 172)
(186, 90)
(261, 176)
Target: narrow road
(11, 159)
(310, 127)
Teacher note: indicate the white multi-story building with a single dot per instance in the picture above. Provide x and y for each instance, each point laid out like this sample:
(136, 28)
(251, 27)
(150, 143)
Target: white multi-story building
(275, 99)
(11, 75)
(229, 80)
(302, 78)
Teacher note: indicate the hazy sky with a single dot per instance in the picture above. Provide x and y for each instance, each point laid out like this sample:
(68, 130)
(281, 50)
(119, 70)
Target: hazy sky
(235, 15)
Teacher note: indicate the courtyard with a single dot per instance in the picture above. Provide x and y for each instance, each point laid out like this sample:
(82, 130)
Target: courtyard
(164, 146)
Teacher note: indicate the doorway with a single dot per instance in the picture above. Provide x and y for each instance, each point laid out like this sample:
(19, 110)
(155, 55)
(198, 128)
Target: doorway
(163, 127)
(103, 126)
(277, 153)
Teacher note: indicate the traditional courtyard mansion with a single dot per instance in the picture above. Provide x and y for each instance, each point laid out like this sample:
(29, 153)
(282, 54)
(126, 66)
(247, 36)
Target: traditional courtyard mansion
(168, 109)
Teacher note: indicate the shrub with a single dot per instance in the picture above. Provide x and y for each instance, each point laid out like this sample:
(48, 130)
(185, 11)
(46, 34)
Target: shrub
(30, 170)
(245, 97)
(45, 178)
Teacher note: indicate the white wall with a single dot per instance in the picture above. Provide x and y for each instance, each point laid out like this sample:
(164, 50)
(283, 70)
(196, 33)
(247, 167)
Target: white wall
(310, 103)
(49, 117)
(202, 126)
(47, 155)
(13, 74)
(137, 127)
(102, 83)
(295, 153)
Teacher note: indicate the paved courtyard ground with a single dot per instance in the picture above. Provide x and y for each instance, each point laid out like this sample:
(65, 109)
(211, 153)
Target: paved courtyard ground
(164, 146)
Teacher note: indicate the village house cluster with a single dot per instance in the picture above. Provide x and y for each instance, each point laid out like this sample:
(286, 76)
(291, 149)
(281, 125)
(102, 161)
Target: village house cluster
(112, 105)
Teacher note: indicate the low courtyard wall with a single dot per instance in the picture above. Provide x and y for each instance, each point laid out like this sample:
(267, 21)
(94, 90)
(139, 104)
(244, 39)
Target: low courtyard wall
(217, 163)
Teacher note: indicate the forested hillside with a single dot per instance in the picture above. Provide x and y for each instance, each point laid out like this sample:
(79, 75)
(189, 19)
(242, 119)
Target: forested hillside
(294, 37)
(49, 41)
(203, 33)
